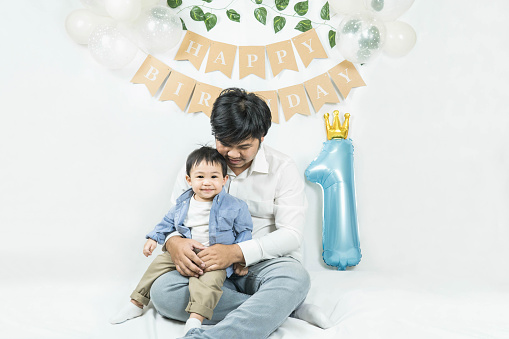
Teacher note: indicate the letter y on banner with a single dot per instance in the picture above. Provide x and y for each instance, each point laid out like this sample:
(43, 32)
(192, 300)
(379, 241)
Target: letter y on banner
(346, 77)
(151, 73)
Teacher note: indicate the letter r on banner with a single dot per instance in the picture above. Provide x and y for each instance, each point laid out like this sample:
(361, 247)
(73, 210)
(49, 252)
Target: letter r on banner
(203, 98)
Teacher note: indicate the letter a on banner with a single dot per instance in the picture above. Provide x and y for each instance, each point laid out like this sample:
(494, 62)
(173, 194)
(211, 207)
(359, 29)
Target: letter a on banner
(309, 47)
(320, 91)
(203, 98)
(251, 61)
(179, 89)
(270, 97)
(152, 74)
(193, 48)
(293, 100)
(221, 58)
(346, 77)
(281, 57)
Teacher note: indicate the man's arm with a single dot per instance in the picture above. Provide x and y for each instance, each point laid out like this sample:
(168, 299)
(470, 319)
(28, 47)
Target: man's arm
(290, 206)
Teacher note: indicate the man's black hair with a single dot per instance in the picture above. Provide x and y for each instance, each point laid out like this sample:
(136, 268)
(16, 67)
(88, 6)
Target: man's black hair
(209, 155)
(238, 115)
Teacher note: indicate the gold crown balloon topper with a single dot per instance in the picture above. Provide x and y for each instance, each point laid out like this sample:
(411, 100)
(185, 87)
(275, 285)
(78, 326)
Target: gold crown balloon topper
(337, 131)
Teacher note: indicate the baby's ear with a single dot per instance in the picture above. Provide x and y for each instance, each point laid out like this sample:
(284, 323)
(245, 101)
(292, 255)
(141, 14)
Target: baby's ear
(188, 179)
(225, 179)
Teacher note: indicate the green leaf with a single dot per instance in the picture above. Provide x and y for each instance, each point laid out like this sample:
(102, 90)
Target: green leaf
(197, 14)
(209, 1)
(279, 23)
(304, 25)
(301, 8)
(174, 3)
(332, 38)
(233, 15)
(325, 13)
(183, 25)
(282, 4)
(261, 15)
(258, 2)
(210, 21)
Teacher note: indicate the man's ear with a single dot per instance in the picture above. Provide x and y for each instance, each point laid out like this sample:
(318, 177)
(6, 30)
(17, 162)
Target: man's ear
(188, 179)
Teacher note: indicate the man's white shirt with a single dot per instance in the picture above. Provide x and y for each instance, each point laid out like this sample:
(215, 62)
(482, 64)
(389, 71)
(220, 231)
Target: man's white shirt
(273, 189)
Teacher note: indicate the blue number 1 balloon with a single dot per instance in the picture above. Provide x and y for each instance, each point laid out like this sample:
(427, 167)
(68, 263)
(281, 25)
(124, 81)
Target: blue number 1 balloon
(333, 170)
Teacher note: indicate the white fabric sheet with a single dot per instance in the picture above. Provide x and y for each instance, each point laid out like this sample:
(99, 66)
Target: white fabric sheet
(361, 304)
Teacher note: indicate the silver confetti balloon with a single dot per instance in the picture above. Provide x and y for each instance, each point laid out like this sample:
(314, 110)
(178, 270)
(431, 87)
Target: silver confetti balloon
(360, 37)
(159, 29)
(110, 48)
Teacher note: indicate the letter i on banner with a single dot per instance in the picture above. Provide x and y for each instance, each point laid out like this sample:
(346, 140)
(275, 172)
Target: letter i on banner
(346, 77)
(270, 97)
(251, 61)
(309, 47)
(221, 58)
(193, 48)
(152, 74)
(293, 100)
(320, 91)
(281, 57)
(203, 98)
(179, 89)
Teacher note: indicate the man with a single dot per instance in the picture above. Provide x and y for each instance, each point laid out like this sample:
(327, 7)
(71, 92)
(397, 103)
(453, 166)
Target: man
(254, 305)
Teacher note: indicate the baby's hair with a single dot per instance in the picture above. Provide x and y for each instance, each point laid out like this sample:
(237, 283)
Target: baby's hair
(209, 155)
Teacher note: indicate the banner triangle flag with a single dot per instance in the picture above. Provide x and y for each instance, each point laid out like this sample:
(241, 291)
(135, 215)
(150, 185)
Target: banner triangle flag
(152, 74)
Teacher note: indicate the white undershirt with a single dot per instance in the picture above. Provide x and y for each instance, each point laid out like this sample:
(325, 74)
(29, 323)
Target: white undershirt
(197, 220)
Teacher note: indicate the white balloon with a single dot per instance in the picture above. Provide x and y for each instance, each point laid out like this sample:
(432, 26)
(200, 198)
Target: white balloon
(389, 10)
(96, 6)
(400, 39)
(347, 6)
(360, 37)
(159, 29)
(80, 23)
(149, 3)
(123, 10)
(110, 48)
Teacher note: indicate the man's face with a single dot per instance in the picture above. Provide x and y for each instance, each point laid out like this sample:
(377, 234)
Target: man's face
(239, 156)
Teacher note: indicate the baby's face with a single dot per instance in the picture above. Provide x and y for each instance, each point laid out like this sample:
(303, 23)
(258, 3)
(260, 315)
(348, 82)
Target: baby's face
(206, 180)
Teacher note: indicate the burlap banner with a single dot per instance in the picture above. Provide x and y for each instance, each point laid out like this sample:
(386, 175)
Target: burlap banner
(183, 90)
(221, 57)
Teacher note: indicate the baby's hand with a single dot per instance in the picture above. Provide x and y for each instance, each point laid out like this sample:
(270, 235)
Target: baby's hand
(149, 247)
(240, 270)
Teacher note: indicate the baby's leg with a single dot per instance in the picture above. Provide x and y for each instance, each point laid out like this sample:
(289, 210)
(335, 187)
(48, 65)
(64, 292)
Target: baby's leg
(141, 294)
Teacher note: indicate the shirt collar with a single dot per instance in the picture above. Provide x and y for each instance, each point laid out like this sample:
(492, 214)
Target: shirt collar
(259, 164)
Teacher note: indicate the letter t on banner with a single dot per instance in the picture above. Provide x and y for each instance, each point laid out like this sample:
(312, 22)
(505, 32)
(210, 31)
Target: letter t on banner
(270, 97)
(151, 73)
(346, 77)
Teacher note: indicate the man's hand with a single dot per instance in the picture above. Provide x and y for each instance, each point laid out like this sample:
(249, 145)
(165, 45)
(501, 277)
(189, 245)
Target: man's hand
(218, 256)
(182, 253)
(149, 247)
(240, 270)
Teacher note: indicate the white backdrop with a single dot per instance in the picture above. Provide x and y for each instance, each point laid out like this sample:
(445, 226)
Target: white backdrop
(89, 159)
